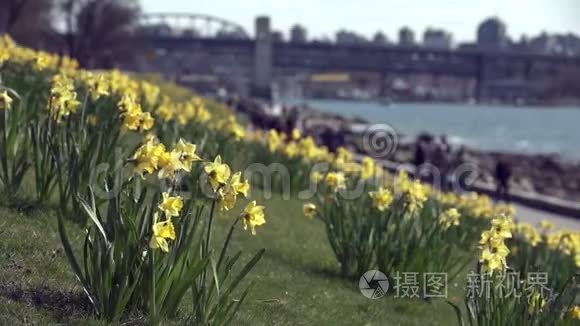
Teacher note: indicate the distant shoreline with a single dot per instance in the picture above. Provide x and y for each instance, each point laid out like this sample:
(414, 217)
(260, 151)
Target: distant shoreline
(574, 105)
(550, 143)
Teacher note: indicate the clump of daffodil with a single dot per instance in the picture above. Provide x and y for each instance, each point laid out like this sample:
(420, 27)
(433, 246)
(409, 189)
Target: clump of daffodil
(417, 195)
(162, 231)
(316, 176)
(171, 205)
(5, 101)
(449, 217)
(275, 140)
(529, 232)
(233, 127)
(368, 169)
(227, 195)
(343, 156)
(574, 312)
(150, 92)
(63, 98)
(309, 210)
(133, 116)
(97, 85)
(335, 181)
(146, 158)
(382, 198)
(218, 173)
(546, 225)
(296, 134)
(291, 149)
(492, 245)
(536, 302)
(416, 192)
(152, 156)
(252, 216)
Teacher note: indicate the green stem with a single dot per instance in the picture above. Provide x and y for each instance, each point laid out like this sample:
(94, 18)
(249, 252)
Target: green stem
(208, 235)
(152, 308)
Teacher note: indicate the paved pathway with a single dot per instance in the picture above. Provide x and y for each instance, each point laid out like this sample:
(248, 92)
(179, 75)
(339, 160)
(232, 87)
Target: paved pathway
(534, 216)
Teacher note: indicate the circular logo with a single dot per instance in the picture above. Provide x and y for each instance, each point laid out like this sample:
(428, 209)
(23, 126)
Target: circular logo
(373, 284)
(380, 140)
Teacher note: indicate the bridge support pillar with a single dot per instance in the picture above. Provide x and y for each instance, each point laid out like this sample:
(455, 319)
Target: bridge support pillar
(262, 58)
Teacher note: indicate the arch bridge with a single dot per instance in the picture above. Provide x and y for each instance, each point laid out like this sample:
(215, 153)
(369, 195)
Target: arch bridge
(191, 25)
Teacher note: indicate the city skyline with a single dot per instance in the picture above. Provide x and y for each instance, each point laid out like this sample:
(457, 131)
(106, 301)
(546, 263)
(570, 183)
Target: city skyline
(461, 21)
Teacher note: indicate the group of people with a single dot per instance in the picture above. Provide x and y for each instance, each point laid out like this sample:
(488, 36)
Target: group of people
(440, 163)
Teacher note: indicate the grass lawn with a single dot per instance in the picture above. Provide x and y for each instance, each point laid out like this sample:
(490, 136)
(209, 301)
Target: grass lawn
(295, 283)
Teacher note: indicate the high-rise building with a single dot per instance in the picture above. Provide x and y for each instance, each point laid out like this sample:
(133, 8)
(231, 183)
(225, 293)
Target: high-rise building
(380, 39)
(492, 35)
(345, 37)
(277, 36)
(406, 37)
(298, 34)
(437, 39)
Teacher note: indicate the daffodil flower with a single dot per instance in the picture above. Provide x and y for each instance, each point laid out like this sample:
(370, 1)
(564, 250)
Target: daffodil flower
(171, 206)
(252, 216)
(217, 172)
(5, 101)
(188, 155)
(309, 210)
(336, 181)
(162, 231)
(382, 198)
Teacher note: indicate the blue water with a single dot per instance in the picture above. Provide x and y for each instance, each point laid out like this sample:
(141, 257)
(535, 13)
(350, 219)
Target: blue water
(501, 128)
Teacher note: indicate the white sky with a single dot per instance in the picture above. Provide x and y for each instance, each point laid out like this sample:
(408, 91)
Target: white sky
(325, 17)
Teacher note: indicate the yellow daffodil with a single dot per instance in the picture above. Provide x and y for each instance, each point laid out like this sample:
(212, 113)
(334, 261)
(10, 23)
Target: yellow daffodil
(536, 302)
(226, 198)
(309, 210)
(316, 176)
(239, 186)
(169, 164)
(274, 140)
(147, 157)
(171, 205)
(546, 225)
(218, 173)
(368, 168)
(147, 121)
(490, 262)
(252, 216)
(502, 226)
(228, 194)
(574, 312)
(5, 101)
(162, 231)
(449, 218)
(382, 198)
(335, 181)
(530, 233)
(188, 155)
(296, 134)
(291, 149)
(132, 119)
(63, 98)
(494, 250)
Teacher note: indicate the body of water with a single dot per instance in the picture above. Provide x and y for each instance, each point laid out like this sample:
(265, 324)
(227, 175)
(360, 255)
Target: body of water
(502, 128)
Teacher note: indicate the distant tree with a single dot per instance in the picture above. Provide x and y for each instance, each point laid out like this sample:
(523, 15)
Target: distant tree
(99, 32)
(27, 21)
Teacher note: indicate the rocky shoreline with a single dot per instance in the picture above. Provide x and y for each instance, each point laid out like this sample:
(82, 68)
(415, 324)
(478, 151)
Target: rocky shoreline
(549, 175)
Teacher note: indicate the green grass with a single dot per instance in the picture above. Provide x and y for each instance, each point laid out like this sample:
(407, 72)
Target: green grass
(295, 283)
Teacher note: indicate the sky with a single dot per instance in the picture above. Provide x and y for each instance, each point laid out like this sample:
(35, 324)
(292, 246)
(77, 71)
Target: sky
(325, 17)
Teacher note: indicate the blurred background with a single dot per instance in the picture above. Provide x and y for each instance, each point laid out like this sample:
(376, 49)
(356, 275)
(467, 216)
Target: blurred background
(494, 85)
